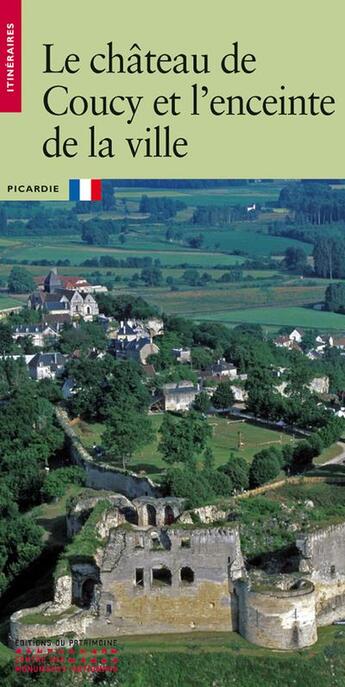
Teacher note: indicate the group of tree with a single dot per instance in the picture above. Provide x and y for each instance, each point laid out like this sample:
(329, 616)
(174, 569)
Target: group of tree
(160, 207)
(112, 392)
(83, 338)
(329, 257)
(295, 260)
(335, 298)
(314, 203)
(29, 438)
(130, 262)
(125, 307)
(20, 281)
(219, 215)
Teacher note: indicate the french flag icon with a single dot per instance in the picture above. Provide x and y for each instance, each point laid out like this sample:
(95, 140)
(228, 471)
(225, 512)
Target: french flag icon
(85, 189)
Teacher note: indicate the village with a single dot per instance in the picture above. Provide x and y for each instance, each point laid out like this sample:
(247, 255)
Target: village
(172, 375)
(114, 363)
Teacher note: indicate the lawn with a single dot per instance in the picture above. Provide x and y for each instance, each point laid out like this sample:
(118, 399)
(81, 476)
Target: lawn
(226, 435)
(222, 659)
(9, 302)
(296, 317)
(225, 439)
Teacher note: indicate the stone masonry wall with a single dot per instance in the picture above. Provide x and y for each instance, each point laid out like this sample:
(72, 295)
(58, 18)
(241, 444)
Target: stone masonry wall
(277, 619)
(102, 476)
(205, 603)
(323, 560)
(21, 632)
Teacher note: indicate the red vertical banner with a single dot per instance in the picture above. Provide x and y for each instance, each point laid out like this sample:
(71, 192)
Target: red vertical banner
(10, 56)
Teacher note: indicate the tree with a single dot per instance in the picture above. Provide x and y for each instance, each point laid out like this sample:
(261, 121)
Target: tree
(195, 241)
(329, 257)
(125, 307)
(263, 400)
(220, 483)
(295, 260)
(104, 383)
(95, 232)
(335, 298)
(186, 482)
(264, 468)
(201, 358)
(20, 281)
(3, 220)
(21, 539)
(302, 456)
(191, 277)
(57, 481)
(182, 437)
(85, 337)
(309, 339)
(108, 197)
(208, 459)
(223, 396)
(126, 430)
(298, 375)
(13, 376)
(202, 402)
(238, 470)
(152, 276)
(6, 341)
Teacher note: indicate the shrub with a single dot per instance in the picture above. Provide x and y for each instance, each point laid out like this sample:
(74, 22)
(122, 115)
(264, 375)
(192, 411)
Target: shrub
(238, 470)
(190, 484)
(57, 481)
(219, 483)
(302, 456)
(316, 443)
(265, 467)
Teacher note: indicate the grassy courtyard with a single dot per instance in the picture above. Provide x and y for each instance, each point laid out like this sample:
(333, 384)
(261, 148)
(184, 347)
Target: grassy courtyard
(226, 436)
(225, 439)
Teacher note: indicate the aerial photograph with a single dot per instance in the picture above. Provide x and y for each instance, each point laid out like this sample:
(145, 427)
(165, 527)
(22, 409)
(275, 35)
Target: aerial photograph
(172, 453)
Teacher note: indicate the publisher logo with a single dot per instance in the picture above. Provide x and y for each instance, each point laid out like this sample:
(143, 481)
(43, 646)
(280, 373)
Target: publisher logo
(74, 660)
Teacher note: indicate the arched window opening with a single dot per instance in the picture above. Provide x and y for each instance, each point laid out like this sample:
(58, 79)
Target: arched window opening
(168, 515)
(87, 592)
(151, 515)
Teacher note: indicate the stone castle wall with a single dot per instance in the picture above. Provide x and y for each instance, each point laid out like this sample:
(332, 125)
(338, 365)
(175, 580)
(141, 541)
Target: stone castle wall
(21, 632)
(276, 618)
(205, 603)
(323, 553)
(323, 560)
(100, 475)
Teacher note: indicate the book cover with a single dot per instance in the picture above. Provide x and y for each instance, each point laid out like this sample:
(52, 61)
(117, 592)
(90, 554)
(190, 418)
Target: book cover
(172, 371)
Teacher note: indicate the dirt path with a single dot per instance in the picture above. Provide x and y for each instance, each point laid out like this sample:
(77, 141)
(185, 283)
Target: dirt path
(340, 458)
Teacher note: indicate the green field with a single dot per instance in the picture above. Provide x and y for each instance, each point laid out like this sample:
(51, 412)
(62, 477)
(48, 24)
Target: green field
(296, 317)
(246, 195)
(249, 241)
(9, 302)
(223, 659)
(76, 252)
(218, 659)
(214, 302)
(225, 439)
